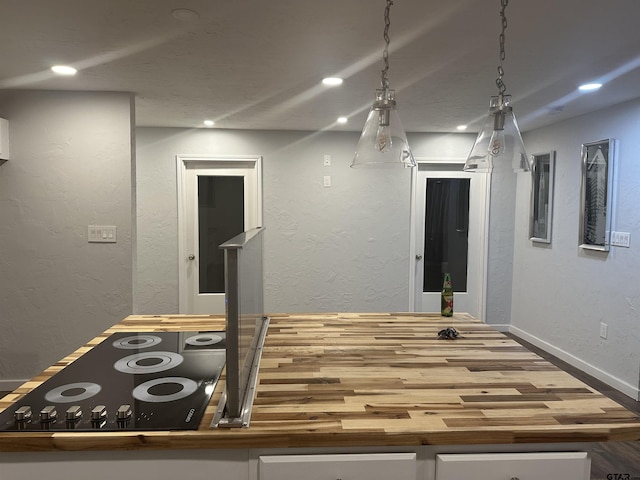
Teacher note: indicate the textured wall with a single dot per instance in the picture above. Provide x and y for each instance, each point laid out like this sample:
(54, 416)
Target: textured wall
(562, 293)
(70, 167)
(344, 248)
(501, 240)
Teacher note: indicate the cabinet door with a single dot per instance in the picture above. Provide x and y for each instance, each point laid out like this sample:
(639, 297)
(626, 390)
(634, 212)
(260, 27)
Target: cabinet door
(126, 465)
(521, 466)
(383, 466)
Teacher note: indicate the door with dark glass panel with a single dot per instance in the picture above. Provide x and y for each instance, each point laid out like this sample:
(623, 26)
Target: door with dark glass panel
(220, 217)
(221, 204)
(446, 233)
(449, 239)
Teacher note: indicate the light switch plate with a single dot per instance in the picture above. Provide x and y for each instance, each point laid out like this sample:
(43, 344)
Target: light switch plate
(620, 239)
(603, 330)
(102, 234)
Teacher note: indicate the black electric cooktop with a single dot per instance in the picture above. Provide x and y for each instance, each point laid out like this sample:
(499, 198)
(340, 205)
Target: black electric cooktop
(130, 381)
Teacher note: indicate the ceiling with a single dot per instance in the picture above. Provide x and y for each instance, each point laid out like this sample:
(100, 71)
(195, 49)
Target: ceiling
(258, 64)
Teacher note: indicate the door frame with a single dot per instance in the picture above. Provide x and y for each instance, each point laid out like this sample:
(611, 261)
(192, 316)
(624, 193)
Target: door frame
(483, 234)
(207, 161)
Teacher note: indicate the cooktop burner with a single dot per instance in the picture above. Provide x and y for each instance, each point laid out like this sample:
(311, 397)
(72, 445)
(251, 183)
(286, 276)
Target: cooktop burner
(130, 381)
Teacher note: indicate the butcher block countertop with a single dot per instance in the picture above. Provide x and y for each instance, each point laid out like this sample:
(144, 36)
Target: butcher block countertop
(351, 380)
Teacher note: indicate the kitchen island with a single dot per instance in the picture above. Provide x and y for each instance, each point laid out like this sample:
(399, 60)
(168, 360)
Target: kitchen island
(360, 384)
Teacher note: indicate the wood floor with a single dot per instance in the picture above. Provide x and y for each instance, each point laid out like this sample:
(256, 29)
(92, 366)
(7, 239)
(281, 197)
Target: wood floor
(611, 460)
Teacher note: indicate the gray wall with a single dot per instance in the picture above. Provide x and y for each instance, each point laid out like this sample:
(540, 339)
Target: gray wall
(500, 248)
(343, 248)
(562, 293)
(70, 167)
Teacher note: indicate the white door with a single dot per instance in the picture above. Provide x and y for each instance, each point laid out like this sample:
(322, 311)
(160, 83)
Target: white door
(450, 236)
(219, 198)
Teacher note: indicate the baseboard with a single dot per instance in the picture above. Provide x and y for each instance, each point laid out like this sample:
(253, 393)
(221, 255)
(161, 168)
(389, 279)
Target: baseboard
(10, 385)
(620, 385)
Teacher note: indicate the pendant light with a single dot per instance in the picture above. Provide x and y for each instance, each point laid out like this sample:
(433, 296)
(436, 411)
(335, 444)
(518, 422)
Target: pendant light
(383, 142)
(499, 144)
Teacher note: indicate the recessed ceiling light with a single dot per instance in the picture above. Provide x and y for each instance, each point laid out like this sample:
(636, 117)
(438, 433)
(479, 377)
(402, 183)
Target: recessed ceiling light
(461, 127)
(342, 120)
(63, 70)
(209, 123)
(332, 81)
(589, 87)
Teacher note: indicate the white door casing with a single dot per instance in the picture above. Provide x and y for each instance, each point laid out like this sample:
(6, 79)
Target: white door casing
(188, 169)
(473, 301)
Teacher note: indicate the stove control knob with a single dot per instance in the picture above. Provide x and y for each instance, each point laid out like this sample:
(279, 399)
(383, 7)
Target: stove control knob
(23, 414)
(48, 414)
(98, 413)
(124, 413)
(73, 413)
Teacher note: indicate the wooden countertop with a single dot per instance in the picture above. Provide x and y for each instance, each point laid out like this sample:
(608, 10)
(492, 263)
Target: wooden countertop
(373, 380)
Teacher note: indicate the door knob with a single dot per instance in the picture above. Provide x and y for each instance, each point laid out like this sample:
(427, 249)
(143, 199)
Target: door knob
(191, 256)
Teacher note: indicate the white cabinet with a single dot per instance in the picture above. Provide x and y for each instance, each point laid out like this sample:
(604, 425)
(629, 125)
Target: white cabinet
(521, 466)
(369, 466)
(126, 465)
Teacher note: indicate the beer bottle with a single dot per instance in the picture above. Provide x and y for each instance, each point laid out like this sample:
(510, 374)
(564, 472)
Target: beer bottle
(446, 303)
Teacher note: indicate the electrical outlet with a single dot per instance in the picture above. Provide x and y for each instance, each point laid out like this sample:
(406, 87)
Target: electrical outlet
(326, 181)
(603, 330)
(327, 161)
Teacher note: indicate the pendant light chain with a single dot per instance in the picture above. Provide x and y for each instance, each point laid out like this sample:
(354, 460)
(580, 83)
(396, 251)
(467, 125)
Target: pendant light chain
(499, 83)
(383, 141)
(385, 53)
(499, 144)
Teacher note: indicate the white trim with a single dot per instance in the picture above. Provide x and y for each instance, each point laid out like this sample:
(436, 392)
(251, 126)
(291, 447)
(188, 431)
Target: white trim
(208, 161)
(482, 295)
(412, 238)
(181, 188)
(592, 370)
(484, 234)
(441, 160)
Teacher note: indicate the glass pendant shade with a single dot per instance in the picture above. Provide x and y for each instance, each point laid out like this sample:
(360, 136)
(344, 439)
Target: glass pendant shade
(498, 146)
(383, 142)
